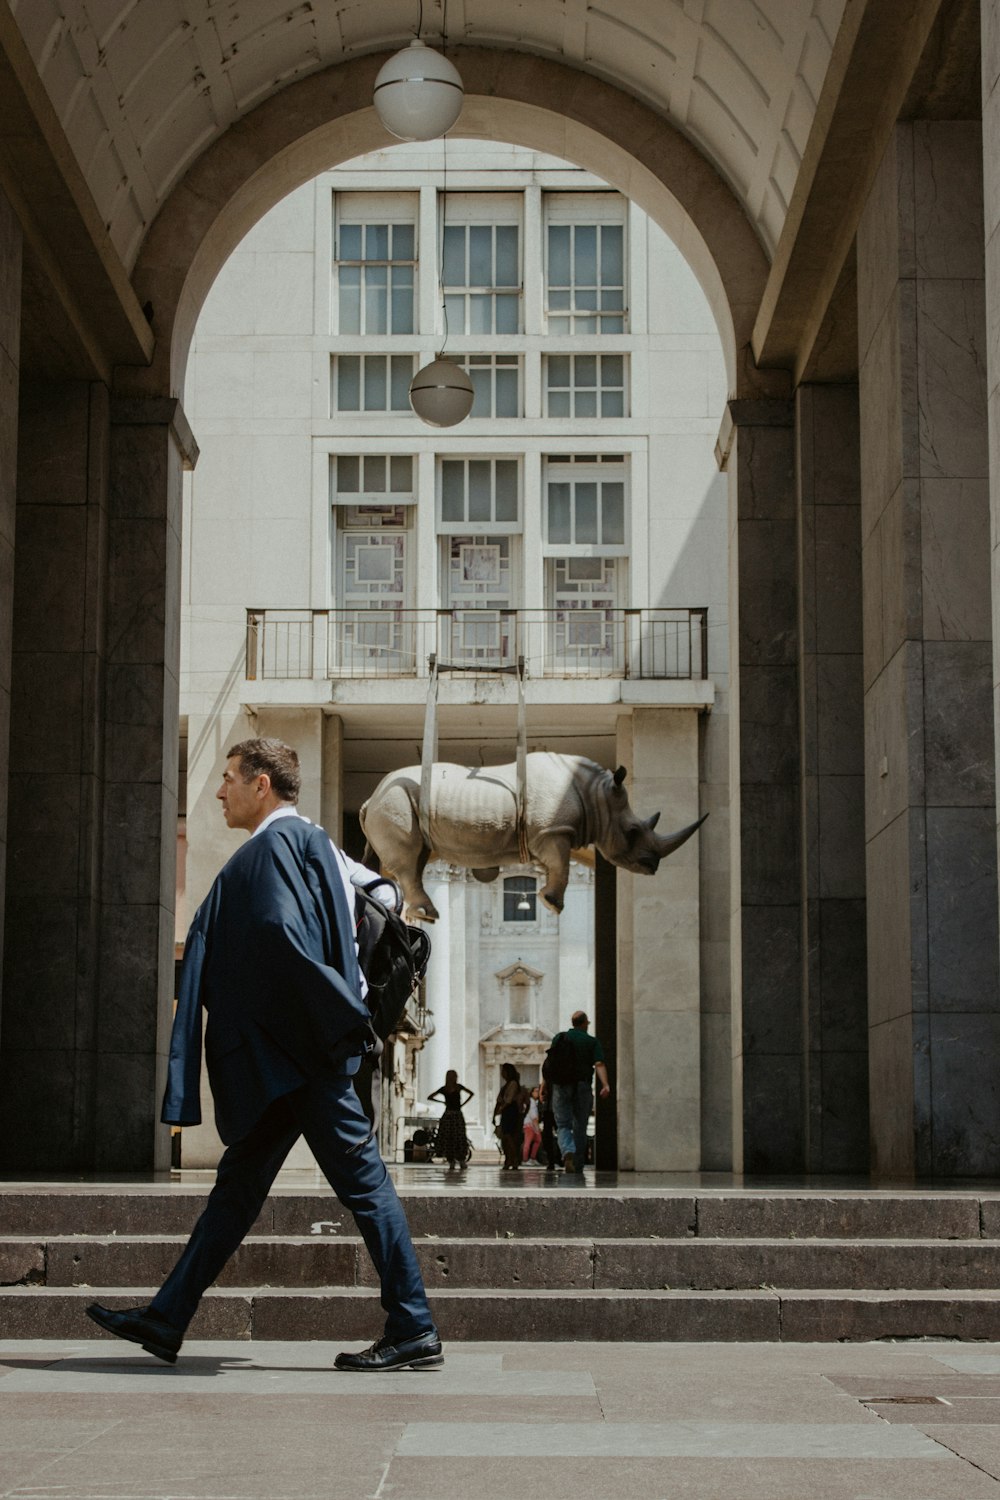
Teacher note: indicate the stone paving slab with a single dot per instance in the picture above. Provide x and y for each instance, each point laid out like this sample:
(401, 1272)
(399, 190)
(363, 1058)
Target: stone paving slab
(272, 1421)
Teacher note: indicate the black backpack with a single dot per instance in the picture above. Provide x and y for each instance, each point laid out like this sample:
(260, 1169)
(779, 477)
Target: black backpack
(560, 1065)
(393, 957)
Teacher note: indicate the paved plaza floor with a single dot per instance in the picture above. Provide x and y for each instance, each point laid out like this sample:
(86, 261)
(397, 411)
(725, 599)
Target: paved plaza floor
(565, 1421)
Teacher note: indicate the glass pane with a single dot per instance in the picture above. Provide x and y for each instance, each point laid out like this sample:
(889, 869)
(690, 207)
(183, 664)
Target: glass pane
(454, 255)
(452, 491)
(586, 369)
(559, 300)
(612, 370)
(608, 325)
(559, 404)
(558, 370)
(348, 382)
(376, 242)
(507, 308)
(402, 310)
(586, 512)
(559, 514)
(481, 313)
(613, 300)
(480, 490)
(402, 242)
(506, 482)
(482, 385)
(375, 382)
(348, 472)
(374, 474)
(586, 404)
(585, 255)
(402, 374)
(585, 325)
(480, 255)
(507, 255)
(586, 298)
(559, 255)
(454, 313)
(612, 258)
(401, 474)
(559, 325)
(350, 299)
(350, 242)
(613, 404)
(613, 514)
(506, 398)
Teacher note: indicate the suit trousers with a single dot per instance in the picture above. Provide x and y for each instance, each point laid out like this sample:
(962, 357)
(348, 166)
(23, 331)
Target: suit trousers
(327, 1112)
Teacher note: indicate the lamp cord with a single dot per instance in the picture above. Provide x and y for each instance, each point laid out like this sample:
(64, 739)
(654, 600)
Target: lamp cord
(444, 194)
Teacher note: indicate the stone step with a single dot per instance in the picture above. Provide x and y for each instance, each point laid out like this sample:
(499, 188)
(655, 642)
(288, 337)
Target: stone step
(623, 1264)
(562, 1210)
(353, 1314)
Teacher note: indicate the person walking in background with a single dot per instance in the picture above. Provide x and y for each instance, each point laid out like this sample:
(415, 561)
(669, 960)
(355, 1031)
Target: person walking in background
(532, 1126)
(452, 1139)
(510, 1107)
(572, 1093)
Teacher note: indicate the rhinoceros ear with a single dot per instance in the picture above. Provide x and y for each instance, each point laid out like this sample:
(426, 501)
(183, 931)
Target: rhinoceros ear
(620, 775)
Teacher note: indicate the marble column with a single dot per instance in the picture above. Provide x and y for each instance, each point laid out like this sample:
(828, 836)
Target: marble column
(833, 803)
(659, 994)
(765, 869)
(150, 445)
(10, 344)
(934, 1017)
(51, 1068)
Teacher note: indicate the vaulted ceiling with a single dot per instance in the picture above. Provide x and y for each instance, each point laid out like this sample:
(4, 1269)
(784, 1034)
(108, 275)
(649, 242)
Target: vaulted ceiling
(142, 87)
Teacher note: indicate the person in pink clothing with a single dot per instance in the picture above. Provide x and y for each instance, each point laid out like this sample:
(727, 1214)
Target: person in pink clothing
(532, 1127)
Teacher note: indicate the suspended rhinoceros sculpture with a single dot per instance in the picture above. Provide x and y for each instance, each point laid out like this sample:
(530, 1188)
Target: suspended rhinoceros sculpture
(472, 821)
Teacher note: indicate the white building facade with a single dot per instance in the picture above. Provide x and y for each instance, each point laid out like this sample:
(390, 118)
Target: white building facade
(575, 522)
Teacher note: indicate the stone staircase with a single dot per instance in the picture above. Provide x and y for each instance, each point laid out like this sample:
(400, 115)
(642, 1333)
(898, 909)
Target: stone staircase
(552, 1260)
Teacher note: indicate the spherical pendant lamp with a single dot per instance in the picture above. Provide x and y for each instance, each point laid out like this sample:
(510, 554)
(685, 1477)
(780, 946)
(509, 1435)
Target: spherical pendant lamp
(441, 393)
(418, 93)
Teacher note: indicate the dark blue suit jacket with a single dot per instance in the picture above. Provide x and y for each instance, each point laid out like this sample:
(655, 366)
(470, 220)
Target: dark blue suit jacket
(271, 957)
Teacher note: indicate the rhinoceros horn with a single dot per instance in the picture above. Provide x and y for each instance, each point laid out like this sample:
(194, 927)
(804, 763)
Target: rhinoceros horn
(668, 842)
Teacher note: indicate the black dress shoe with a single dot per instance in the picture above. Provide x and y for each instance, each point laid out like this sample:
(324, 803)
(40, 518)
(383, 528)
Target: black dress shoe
(422, 1352)
(139, 1326)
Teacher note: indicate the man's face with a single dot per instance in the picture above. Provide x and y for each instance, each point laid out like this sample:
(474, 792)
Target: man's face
(243, 802)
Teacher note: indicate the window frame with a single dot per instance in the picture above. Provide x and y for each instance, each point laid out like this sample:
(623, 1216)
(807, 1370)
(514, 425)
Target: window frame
(470, 211)
(375, 210)
(336, 362)
(573, 389)
(602, 468)
(493, 527)
(578, 211)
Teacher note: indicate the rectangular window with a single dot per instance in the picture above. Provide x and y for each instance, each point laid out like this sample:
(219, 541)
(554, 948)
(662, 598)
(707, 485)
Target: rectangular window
(585, 263)
(481, 263)
(479, 492)
(587, 628)
(496, 379)
(480, 622)
(359, 479)
(520, 898)
(585, 385)
(370, 382)
(585, 501)
(375, 259)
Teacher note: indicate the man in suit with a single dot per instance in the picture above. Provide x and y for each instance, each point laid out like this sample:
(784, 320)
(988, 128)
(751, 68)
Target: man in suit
(271, 955)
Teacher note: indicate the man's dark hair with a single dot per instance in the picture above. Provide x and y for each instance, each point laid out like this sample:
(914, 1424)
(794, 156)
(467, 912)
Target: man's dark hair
(269, 758)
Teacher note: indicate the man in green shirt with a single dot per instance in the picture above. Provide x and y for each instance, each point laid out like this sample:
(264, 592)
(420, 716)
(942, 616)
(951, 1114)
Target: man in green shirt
(573, 1102)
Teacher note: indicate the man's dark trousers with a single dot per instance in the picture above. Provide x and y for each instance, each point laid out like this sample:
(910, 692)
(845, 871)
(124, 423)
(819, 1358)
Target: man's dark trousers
(327, 1112)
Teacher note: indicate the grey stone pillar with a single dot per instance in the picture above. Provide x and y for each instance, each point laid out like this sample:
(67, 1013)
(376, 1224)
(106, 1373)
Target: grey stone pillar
(930, 817)
(49, 1066)
(150, 444)
(766, 816)
(833, 789)
(10, 343)
(991, 184)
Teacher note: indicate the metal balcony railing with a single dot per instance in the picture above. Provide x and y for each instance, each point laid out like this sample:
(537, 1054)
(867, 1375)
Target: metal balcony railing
(304, 644)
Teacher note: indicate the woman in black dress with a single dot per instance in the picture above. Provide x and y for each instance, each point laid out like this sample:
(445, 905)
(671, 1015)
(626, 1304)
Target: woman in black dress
(452, 1140)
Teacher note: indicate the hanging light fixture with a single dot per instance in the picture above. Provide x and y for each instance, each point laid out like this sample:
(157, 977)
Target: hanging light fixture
(418, 93)
(441, 393)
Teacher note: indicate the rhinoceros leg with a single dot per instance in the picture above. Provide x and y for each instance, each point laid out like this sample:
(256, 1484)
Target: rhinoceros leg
(419, 906)
(554, 855)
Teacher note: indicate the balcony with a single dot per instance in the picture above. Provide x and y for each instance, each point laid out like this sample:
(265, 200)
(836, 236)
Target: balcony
(589, 643)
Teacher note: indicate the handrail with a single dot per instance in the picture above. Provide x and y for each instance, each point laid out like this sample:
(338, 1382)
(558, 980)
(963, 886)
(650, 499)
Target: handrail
(589, 642)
